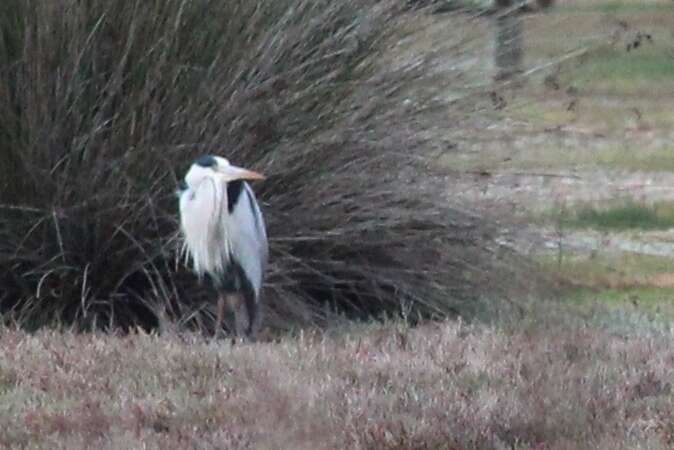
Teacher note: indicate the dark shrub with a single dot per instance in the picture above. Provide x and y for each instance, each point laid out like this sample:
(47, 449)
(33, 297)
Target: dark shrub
(105, 103)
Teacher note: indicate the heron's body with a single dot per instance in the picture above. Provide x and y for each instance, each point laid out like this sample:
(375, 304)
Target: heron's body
(224, 235)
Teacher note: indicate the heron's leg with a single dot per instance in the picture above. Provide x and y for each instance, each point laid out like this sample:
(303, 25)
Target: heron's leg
(254, 316)
(236, 305)
(220, 316)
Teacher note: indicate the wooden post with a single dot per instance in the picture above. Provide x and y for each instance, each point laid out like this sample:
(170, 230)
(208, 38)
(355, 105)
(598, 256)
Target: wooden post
(508, 46)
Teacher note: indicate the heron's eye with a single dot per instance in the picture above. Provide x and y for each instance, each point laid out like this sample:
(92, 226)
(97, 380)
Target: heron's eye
(182, 185)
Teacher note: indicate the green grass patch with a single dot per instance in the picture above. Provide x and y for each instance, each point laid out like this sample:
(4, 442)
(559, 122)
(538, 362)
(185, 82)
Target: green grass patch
(618, 66)
(589, 270)
(627, 282)
(651, 297)
(661, 159)
(656, 303)
(596, 154)
(611, 7)
(608, 65)
(611, 272)
(626, 216)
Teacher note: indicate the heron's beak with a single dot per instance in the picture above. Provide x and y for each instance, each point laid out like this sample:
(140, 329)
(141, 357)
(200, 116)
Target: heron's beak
(231, 173)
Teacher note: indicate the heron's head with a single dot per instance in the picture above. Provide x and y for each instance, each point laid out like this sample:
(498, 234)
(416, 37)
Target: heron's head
(204, 214)
(215, 168)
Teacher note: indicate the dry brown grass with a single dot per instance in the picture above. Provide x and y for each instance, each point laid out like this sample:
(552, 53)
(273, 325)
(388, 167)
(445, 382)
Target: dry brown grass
(444, 385)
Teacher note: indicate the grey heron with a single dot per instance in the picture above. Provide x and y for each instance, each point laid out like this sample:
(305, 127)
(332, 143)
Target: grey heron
(224, 236)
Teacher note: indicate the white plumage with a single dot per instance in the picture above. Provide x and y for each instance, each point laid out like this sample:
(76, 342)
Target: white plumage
(206, 241)
(224, 237)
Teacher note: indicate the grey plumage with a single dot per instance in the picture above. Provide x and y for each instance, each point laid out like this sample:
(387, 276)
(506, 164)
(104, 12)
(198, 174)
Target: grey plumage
(225, 238)
(248, 237)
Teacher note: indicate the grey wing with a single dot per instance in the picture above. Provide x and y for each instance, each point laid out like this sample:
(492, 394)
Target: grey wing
(248, 237)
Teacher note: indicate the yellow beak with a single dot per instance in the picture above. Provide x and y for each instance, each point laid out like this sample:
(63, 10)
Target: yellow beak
(231, 173)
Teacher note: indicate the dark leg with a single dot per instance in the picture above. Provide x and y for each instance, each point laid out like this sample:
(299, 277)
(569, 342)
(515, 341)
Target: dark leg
(235, 303)
(253, 310)
(220, 316)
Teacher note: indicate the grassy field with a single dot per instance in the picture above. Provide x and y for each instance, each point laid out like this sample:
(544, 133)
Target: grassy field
(585, 146)
(620, 215)
(590, 367)
(616, 121)
(439, 386)
(605, 109)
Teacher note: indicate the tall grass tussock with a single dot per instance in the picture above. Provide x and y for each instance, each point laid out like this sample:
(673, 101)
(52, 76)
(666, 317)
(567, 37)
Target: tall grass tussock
(105, 103)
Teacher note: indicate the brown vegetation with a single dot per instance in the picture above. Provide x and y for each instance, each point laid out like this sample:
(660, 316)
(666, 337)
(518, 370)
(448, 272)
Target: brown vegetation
(441, 386)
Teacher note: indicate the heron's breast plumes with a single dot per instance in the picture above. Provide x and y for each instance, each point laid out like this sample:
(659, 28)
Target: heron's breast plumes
(203, 214)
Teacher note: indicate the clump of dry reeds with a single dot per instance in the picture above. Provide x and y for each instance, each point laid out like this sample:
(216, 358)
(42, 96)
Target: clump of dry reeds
(105, 103)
